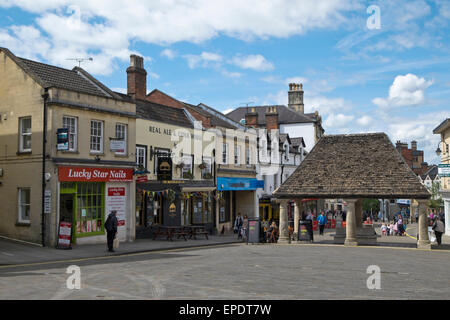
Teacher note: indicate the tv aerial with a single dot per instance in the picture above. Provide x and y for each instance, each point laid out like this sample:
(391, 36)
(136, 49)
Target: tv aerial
(247, 103)
(80, 60)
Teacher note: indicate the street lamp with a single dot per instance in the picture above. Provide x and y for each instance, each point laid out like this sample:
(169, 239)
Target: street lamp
(438, 150)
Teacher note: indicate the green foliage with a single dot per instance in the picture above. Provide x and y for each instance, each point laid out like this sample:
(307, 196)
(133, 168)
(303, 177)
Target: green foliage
(371, 204)
(436, 201)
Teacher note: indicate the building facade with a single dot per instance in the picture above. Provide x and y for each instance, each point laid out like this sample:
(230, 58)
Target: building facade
(227, 148)
(444, 168)
(68, 148)
(413, 157)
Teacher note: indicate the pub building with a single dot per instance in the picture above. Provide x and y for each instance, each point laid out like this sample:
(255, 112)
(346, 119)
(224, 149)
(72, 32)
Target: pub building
(170, 190)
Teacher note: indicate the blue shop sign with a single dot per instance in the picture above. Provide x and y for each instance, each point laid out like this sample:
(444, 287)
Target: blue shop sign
(228, 184)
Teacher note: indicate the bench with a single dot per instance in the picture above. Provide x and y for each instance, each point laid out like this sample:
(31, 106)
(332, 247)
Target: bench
(180, 234)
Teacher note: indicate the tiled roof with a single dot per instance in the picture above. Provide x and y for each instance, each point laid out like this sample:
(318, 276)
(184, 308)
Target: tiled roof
(215, 120)
(156, 112)
(442, 127)
(432, 172)
(353, 166)
(285, 115)
(76, 80)
(297, 142)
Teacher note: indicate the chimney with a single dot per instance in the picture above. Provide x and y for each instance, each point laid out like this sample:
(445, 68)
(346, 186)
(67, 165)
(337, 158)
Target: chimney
(295, 97)
(414, 145)
(251, 118)
(271, 118)
(136, 78)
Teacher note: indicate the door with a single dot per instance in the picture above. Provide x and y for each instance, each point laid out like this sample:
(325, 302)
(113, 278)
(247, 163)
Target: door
(66, 211)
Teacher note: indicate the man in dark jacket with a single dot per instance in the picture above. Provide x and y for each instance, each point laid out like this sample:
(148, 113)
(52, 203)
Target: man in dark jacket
(111, 229)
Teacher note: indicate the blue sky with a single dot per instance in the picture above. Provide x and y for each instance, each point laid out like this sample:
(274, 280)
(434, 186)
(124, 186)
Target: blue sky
(394, 79)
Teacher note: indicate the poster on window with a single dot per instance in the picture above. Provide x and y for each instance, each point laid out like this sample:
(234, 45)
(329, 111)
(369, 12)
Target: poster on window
(116, 200)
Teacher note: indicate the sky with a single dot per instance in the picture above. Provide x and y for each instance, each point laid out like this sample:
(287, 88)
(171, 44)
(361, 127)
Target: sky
(365, 66)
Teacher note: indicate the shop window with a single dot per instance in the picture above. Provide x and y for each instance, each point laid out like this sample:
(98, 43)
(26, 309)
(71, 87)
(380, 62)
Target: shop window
(224, 206)
(187, 170)
(141, 157)
(71, 124)
(121, 134)
(24, 205)
(90, 208)
(207, 169)
(25, 134)
(247, 156)
(224, 153)
(96, 143)
(237, 155)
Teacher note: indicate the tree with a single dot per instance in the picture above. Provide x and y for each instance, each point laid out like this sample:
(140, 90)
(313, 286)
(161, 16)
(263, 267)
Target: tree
(436, 201)
(371, 205)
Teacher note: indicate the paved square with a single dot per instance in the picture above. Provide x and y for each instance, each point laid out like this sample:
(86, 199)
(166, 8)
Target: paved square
(240, 271)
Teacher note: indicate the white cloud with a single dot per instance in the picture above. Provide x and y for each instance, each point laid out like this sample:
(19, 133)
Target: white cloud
(338, 120)
(325, 105)
(205, 59)
(364, 121)
(24, 41)
(227, 110)
(255, 62)
(170, 54)
(231, 74)
(104, 29)
(407, 90)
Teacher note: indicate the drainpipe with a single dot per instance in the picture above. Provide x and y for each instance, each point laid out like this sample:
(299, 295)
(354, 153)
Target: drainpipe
(44, 143)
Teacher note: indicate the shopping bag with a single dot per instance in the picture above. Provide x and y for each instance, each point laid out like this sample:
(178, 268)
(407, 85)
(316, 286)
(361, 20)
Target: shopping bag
(116, 243)
(432, 237)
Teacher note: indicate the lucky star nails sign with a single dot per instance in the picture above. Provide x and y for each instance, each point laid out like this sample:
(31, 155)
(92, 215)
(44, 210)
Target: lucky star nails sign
(95, 174)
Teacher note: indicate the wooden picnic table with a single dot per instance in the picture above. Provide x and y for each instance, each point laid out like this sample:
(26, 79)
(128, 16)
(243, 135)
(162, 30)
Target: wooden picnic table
(170, 232)
(193, 231)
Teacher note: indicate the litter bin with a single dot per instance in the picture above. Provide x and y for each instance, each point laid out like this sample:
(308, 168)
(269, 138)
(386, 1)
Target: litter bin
(254, 228)
(304, 227)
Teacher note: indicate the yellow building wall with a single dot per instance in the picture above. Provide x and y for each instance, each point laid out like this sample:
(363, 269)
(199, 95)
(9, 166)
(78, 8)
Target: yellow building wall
(20, 96)
(160, 135)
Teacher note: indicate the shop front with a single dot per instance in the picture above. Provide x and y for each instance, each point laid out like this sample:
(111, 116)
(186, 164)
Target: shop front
(87, 195)
(173, 203)
(236, 195)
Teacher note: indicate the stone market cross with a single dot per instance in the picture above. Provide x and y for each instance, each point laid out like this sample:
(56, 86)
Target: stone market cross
(353, 167)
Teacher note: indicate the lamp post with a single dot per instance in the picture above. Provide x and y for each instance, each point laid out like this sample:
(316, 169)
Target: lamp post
(438, 150)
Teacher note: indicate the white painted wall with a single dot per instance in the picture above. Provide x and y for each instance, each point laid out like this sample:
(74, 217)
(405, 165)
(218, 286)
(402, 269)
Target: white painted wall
(296, 130)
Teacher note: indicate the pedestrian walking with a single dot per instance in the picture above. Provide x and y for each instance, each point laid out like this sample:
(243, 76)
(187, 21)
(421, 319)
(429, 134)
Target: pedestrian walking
(244, 228)
(438, 227)
(310, 217)
(400, 225)
(111, 229)
(322, 220)
(238, 225)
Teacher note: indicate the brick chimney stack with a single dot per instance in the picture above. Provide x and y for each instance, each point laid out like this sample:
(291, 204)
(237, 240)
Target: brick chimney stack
(271, 118)
(251, 118)
(414, 145)
(136, 78)
(295, 97)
